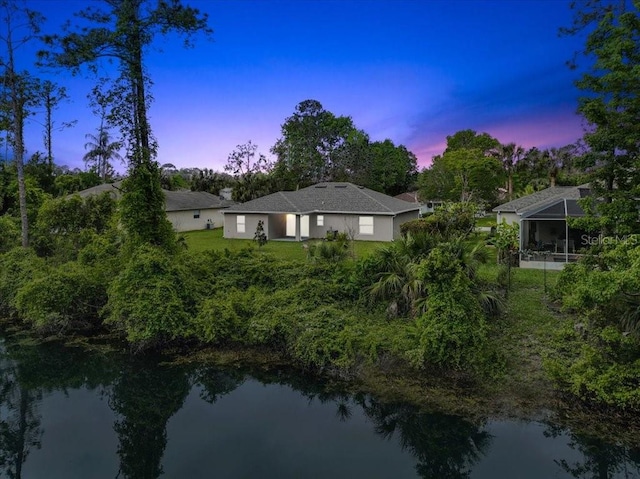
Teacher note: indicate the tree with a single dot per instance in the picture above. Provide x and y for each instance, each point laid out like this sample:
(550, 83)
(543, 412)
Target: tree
(315, 146)
(393, 168)
(249, 169)
(211, 181)
(245, 160)
(260, 237)
(469, 139)
(466, 171)
(101, 153)
(509, 155)
(124, 32)
(476, 176)
(21, 90)
(611, 106)
(437, 182)
(51, 95)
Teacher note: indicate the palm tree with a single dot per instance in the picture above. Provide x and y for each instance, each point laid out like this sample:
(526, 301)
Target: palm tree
(509, 155)
(398, 280)
(101, 152)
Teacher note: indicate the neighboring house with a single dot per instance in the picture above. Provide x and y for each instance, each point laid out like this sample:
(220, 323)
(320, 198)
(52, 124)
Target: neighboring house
(320, 209)
(186, 210)
(426, 207)
(546, 240)
(194, 210)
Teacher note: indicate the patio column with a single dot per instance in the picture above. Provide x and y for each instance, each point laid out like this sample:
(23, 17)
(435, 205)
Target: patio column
(298, 229)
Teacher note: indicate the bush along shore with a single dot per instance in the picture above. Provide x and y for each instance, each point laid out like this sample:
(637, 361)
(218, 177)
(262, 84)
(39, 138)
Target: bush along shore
(426, 318)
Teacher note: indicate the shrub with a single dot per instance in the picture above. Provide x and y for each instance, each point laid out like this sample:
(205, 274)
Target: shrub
(9, 233)
(68, 297)
(452, 333)
(453, 220)
(602, 291)
(17, 268)
(152, 300)
(224, 316)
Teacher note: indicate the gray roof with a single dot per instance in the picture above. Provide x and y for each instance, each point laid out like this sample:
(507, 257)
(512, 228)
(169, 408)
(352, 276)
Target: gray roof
(174, 200)
(193, 200)
(327, 198)
(114, 188)
(543, 198)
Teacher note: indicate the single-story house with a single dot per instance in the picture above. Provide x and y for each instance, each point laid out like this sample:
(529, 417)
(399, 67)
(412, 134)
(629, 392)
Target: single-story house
(317, 210)
(426, 207)
(546, 240)
(186, 210)
(194, 210)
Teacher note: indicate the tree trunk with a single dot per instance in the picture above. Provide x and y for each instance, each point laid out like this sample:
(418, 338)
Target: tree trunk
(17, 108)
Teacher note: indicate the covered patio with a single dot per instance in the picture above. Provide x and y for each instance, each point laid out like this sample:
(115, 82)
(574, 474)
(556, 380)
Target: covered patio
(546, 239)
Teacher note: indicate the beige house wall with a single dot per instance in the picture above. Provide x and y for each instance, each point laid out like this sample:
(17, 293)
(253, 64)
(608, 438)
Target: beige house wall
(250, 222)
(385, 228)
(350, 224)
(185, 221)
(403, 218)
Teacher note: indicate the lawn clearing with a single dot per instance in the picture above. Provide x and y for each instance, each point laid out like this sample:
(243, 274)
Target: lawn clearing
(203, 240)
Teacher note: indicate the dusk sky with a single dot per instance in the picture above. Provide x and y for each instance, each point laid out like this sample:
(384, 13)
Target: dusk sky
(408, 70)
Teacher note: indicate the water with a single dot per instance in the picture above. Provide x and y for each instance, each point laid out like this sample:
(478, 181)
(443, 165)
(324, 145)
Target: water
(68, 414)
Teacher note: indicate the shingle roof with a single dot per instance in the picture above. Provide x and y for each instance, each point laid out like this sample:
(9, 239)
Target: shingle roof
(410, 196)
(193, 200)
(326, 198)
(174, 200)
(113, 188)
(542, 198)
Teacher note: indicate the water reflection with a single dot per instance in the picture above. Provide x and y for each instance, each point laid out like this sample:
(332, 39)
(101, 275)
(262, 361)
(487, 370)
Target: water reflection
(159, 414)
(20, 429)
(599, 459)
(145, 398)
(445, 446)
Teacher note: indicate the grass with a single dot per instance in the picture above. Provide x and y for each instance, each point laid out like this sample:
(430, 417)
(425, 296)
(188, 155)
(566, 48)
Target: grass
(525, 335)
(488, 220)
(203, 240)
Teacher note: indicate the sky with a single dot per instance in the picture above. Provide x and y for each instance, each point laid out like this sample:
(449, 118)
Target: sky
(412, 71)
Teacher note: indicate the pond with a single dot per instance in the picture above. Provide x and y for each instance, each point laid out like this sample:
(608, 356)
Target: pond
(66, 413)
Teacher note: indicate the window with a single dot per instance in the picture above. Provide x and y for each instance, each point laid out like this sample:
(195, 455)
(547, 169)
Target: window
(366, 225)
(320, 220)
(240, 223)
(196, 213)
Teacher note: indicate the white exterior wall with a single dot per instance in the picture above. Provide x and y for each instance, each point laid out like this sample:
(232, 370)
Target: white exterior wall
(184, 220)
(509, 218)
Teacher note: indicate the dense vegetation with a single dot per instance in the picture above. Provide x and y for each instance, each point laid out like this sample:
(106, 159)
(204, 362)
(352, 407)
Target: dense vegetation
(419, 303)
(416, 301)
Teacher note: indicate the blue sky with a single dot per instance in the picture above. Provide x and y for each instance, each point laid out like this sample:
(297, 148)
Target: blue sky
(413, 71)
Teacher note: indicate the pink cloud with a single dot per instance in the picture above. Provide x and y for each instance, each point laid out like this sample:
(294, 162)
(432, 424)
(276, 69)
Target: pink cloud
(542, 130)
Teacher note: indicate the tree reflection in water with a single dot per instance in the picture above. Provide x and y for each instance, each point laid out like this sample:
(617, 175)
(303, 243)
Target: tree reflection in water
(144, 395)
(600, 460)
(444, 446)
(19, 419)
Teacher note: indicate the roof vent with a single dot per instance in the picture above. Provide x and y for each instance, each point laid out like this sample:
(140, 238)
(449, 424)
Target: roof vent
(341, 186)
(321, 186)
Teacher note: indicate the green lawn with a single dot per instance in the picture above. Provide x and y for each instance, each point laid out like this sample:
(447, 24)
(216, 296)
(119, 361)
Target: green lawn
(488, 220)
(202, 240)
